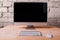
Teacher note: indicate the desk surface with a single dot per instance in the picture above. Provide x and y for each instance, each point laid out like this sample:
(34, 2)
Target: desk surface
(12, 33)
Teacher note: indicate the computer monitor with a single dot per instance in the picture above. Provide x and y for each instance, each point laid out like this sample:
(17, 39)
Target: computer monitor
(30, 13)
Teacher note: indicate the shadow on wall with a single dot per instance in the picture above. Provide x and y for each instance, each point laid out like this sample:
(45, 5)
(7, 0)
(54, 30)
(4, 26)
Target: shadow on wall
(2, 25)
(54, 22)
(50, 23)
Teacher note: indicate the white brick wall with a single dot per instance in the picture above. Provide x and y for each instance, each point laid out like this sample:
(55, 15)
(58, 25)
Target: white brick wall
(58, 20)
(52, 21)
(51, 14)
(23, 0)
(6, 24)
(0, 4)
(0, 15)
(3, 9)
(7, 4)
(55, 11)
(12, 0)
(7, 11)
(3, 0)
(10, 19)
(4, 19)
(1, 24)
(54, 4)
(43, 0)
(7, 15)
(11, 9)
(54, 0)
(27, 0)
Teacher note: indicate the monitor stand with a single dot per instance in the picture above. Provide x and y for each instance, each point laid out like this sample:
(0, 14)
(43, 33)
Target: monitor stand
(30, 27)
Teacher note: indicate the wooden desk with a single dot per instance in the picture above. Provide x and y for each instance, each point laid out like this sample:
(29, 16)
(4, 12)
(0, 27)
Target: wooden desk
(12, 33)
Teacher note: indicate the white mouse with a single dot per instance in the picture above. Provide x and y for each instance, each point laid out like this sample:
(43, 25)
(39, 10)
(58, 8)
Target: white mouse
(48, 35)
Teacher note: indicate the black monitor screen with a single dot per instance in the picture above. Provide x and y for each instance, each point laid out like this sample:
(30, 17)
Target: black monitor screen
(30, 12)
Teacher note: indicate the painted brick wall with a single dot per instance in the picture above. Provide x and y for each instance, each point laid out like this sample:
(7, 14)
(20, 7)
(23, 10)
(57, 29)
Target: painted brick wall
(6, 11)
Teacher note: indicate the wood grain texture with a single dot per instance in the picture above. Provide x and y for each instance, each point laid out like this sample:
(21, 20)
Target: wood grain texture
(12, 33)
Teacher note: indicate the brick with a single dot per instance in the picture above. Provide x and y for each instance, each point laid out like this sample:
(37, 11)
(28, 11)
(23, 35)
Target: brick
(33, 0)
(3, 20)
(52, 21)
(0, 14)
(3, 9)
(43, 0)
(12, 0)
(54, 4)
(10, 9)
(54, 0)
(58, 24)
(7, 4)
(51, 15)
(50, 4)
(8, 15)
(3, 0)
(27, 0)
(0, 4)
(1, 25)
(23, 0)
(8, 23)
(10, 19)
(52, 12)
(57, 15)
(56, 11)
(6, 19)
(58, 20)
